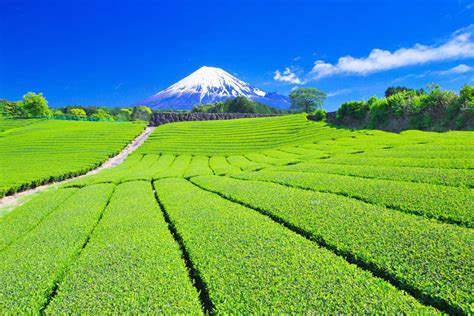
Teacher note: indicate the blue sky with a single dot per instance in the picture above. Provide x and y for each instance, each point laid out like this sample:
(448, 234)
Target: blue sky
(115, 53)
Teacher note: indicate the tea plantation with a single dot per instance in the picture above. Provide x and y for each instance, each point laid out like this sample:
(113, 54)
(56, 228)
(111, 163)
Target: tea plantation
(38, 151)
(268, 215)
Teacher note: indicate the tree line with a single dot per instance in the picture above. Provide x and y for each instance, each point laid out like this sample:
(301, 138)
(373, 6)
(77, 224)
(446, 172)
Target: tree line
(404, 108)
(236, 105)
(35, 105)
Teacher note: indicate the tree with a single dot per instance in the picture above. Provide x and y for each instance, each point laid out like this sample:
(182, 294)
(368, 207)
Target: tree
(353, 110)
(124, 114)
(77, 113)
(58, 113)
(466, 97)
(141, 113)
(394, 90)
(9, 108)
(307, 99)
(35, 104)
(102, 114)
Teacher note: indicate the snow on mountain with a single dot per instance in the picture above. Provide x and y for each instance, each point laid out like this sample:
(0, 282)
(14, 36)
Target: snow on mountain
(209, 85)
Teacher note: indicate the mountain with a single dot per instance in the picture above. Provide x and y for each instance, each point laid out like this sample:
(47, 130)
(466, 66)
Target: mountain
(208, 85)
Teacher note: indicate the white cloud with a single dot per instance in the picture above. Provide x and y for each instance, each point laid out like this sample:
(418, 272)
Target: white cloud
(339, 92)
(457, 70)
(459, 46)
(297, 58)
(460, 69)
(287, 76)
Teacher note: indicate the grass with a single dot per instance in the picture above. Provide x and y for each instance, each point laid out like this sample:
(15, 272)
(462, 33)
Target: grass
(274, 215)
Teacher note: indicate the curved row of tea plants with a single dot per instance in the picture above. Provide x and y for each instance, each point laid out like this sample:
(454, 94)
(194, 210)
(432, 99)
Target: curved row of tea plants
(449, 177)
(251, 264)
(408, 249)
(453, 205)
(236, 136)
(54, 150)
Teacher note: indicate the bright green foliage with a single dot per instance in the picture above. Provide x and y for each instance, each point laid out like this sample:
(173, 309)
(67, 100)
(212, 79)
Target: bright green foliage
(220, 166)
(307, 99)
(7, 123)
(25, 217)
(249, 262)
(137, 266)
(353, 110)
(254, 265)
(261, 158)
(244, 163)
(450, 177)
(12, 109)
(236, 105)
(404, 108)
(141, 113)
(31, 267)
(238, 136)
(141, 171)
(434, 259)
(102, 114)
(54, 150)
(113, 175)
(177, 168)
(454, 205)
(199, 166)
(448, 163)
(35, 104)
(78, 113)
(280, 154)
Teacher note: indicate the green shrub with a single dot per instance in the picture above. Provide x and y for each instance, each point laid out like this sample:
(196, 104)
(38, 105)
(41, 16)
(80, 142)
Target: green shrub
(352, 110)
(318, 115)
(379, 114)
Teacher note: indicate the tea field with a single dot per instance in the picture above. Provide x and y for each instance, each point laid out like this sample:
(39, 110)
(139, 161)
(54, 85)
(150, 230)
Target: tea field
(38, 151)
(270, 215)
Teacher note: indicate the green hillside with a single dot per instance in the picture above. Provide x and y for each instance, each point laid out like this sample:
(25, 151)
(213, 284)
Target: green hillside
(36, 151)
(270, 215)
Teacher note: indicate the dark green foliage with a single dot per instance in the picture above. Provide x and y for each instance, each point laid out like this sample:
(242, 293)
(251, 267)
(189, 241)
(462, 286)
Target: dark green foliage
(12, 109)
(404, 108)
(394, 90)
(93, 113)
(141, 113)
(379, 114)
(353, 110)
(318, 115)
(236, 105)
(307, 99)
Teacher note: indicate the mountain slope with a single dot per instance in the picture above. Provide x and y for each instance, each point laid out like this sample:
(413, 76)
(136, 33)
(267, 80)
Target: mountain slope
(209, 85)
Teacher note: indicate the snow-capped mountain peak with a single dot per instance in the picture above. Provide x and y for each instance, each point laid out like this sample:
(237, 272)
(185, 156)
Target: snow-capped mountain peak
(206, 85)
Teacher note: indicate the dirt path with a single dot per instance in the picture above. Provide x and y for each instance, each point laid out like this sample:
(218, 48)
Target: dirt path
(7, 203)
